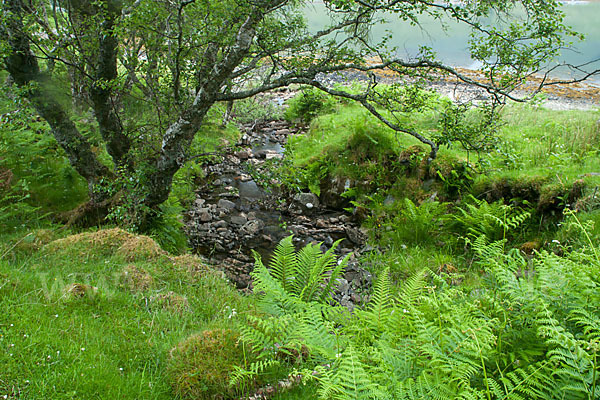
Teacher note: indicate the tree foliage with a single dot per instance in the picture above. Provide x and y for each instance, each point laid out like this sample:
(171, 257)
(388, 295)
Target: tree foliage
(151, 71)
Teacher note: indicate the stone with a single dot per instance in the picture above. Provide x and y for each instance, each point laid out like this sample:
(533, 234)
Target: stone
(243, 154)
(354, 235)
(220, 224)
(321, 224)
(238, 220)
(226, 204)
(273, 156)
(303, 199)
(204, 215)
(199, 202)
(260, 153)
(251, 227)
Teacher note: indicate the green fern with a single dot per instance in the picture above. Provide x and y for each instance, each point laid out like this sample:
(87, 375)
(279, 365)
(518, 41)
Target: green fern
(479, 218)
(348, 380)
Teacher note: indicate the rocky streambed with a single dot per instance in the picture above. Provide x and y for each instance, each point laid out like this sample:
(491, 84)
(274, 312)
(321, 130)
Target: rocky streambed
(233, 215)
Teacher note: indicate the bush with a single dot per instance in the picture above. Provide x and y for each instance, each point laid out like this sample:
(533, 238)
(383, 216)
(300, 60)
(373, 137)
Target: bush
(308, 104)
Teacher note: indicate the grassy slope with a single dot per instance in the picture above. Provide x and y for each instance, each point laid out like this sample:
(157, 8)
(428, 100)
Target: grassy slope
(110, 344)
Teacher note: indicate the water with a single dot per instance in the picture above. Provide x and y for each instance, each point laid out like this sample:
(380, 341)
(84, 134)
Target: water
(451, 44)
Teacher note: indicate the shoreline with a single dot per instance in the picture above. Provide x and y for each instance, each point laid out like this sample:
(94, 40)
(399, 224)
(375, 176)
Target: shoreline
(583, 95)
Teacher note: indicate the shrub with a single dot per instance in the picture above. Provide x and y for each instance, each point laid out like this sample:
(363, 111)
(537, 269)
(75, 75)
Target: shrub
(309, 103)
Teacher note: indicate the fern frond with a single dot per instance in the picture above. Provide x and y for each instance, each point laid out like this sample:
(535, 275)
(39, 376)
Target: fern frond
(348, 380)
(284, 261)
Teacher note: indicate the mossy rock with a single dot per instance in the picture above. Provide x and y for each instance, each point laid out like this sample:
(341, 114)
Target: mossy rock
(200, 367)
(555, 197)
(508, 188)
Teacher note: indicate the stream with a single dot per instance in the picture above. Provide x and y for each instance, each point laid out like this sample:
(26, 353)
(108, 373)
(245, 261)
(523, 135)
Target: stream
(233, 216)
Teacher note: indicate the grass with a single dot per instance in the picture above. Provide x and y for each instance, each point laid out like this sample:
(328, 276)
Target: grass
(561, 145)
(112, 341)
(97, 314)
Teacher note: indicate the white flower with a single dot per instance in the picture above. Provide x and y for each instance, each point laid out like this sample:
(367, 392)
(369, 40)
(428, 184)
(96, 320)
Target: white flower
(555, 241)
(83, 349)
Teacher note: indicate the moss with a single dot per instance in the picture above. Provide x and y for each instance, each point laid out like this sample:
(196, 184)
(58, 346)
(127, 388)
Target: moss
(107, 242)
(191, 264)
(136, 278)
(36, 240)
(555, 197)
(201, 365)
(530, 247)
(78, 291)
(171, 301)
(140, 248)
(104, 241)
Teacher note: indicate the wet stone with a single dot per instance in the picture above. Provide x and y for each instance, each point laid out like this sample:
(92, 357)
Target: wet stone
(238, 220)
(226, 204)
(204, 215)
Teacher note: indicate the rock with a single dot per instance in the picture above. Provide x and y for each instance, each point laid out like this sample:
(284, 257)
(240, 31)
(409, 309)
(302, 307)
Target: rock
(273, 156)
(251, 227)
(260, 153)
(321, 224)
(204, 215)
(226, 204)
(306, 201)
(243, 154)
(354, 235)
(217, 182)
(238, 220)
(199, 202)
(331, 193)
(220, 224)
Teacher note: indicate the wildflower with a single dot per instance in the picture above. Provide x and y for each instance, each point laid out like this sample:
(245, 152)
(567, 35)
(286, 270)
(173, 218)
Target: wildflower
(555, 241)
(83, 349)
